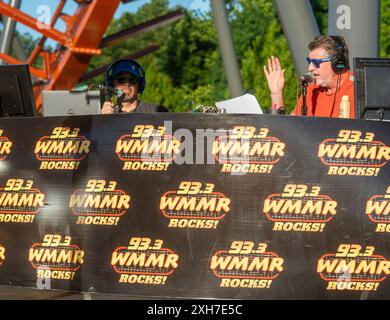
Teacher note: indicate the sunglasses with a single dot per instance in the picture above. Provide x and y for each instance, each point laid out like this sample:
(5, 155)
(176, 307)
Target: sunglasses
(122, 80)
(317, 62)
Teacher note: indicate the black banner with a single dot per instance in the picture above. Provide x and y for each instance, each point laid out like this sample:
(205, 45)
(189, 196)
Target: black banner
(196, 206)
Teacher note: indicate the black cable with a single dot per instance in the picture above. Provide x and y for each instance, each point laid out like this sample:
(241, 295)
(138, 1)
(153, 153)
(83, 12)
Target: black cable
(338, 85)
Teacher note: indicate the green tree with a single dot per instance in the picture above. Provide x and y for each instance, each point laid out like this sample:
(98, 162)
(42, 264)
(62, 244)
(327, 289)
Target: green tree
(385, 29)
(258, 36)
(320, 9)
(190, 56)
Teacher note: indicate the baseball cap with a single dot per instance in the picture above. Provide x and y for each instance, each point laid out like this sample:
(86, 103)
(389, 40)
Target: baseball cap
(127, 66)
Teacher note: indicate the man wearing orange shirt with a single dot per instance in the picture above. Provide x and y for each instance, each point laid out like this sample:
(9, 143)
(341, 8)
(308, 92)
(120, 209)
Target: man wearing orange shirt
(329, 63)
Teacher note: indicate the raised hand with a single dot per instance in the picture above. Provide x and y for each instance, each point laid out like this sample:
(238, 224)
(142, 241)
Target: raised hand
(275, 76)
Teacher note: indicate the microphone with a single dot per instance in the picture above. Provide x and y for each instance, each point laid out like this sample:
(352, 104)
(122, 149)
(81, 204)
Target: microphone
(306, 78)
(110, 90)
(113, 95)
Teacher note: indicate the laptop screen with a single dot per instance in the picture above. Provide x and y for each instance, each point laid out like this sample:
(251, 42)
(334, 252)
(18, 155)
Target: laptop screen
(67, 103)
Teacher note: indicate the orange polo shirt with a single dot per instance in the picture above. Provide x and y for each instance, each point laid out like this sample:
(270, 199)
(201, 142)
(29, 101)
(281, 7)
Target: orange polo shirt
(319, 103)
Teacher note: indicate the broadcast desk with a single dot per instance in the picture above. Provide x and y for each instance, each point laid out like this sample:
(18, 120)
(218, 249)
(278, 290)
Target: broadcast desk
(194, 206)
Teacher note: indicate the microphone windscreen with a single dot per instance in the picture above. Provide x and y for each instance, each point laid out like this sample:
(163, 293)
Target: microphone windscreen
(307, 77)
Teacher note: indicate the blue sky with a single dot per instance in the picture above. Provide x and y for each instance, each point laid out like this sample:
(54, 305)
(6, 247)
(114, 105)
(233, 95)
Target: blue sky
(31, 7)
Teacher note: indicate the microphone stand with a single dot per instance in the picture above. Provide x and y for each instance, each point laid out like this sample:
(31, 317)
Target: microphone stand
(304, 95)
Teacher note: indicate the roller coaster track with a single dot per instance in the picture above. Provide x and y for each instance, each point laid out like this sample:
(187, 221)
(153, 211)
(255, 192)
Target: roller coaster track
(83, 38)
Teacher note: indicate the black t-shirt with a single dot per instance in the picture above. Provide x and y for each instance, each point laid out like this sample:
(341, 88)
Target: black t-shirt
(144, 107)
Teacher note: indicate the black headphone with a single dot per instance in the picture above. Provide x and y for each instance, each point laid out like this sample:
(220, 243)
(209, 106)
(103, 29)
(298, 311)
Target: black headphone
(340, 60)
(138, 71)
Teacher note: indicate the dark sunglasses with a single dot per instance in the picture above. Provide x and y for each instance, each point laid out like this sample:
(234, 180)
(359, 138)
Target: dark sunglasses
(317, 62)
(122, 80)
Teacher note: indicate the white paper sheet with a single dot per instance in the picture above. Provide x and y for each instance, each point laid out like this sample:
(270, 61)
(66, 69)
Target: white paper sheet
(246, 104)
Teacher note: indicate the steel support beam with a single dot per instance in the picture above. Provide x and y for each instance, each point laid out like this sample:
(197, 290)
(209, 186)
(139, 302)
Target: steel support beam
(19, 16)
(86, 30)
(41, 43)
(35, 72)
(300, 28)
(358, 22)
(92, 74)
(8, 33)
(141, 28)
(226, 45)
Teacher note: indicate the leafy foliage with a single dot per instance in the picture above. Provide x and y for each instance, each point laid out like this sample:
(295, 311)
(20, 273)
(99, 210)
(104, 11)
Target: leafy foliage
(385, 29)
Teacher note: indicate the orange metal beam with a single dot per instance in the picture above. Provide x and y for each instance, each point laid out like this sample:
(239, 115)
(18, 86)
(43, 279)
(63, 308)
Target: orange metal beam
(32, 23)
(36, 72)
(90, 24)
(85, 29)
(41, 43)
